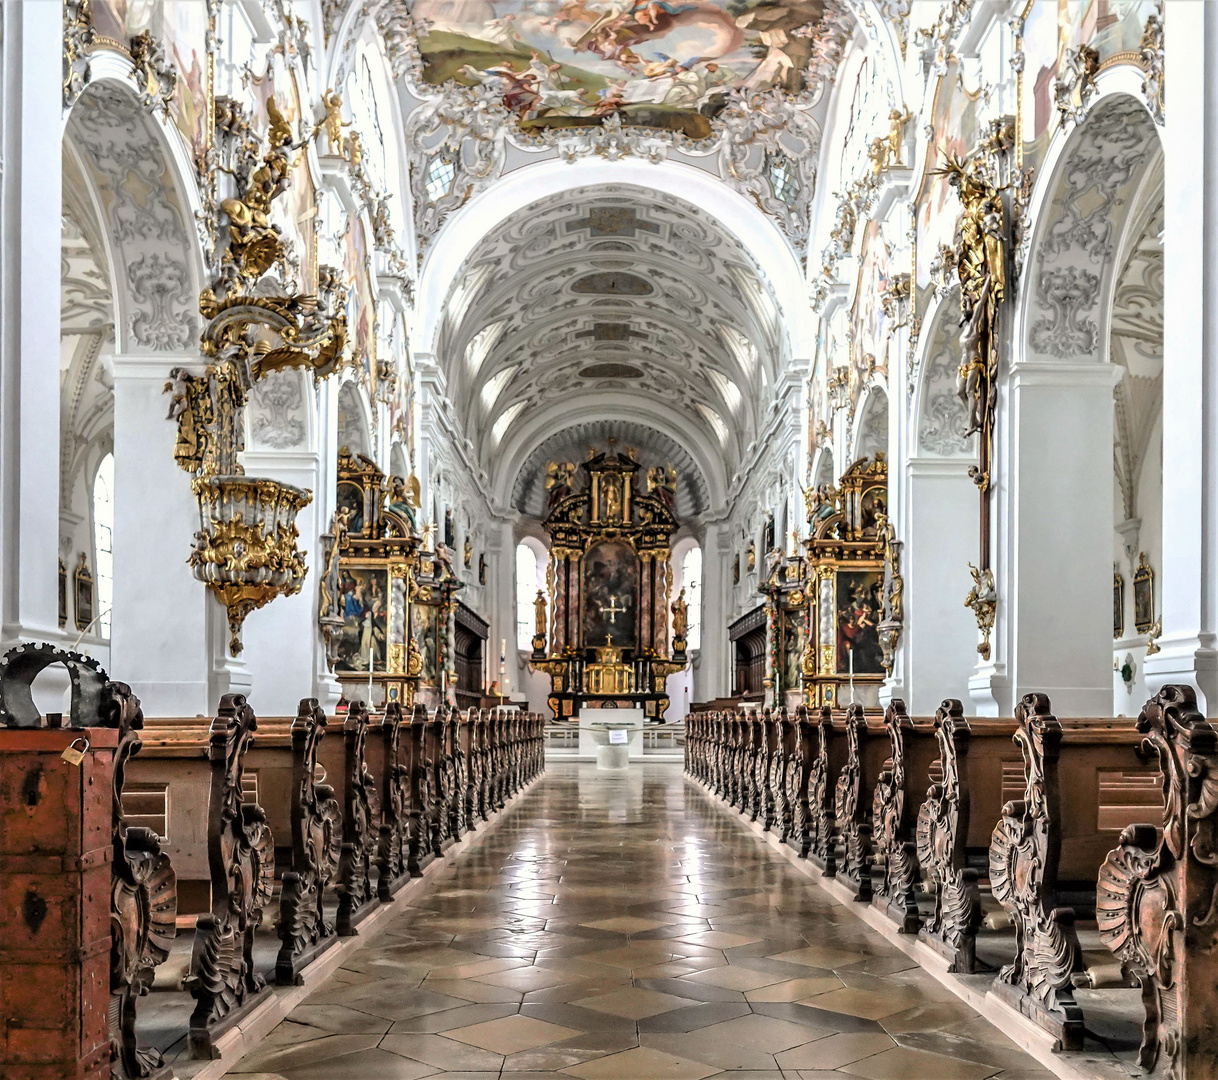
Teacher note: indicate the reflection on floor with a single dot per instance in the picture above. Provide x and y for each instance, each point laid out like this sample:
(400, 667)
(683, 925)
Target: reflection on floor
(625, 927)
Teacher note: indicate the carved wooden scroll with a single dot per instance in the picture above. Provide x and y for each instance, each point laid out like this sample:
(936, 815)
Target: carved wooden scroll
(1157, 904)
(894, 823)
(852, 812)
(1023, 876)
(465, 767)
(941, 841)
(143, 903)
(393, 844)
(484, 764)
(241, 854)
(477, 808)
(316, 845)
(735, 760)
(454, 800)
(355, 894)
(798, 774)
(760, 771)
(438, 817)
(420, 853)
(822, 848)
(781, 764)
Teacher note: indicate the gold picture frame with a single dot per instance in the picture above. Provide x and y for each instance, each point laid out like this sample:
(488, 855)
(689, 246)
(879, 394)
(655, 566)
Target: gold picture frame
(1118, 604)
(1143, 595)
(83, 587)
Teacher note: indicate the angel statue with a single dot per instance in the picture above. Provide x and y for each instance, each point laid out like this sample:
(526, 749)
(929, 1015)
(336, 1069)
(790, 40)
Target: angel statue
(404, 499)
(982, 598)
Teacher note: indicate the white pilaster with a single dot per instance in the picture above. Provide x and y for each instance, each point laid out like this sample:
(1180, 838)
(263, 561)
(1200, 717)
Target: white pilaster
(1055, 589)
(30, 210)
(163, 635)
(1190, 355)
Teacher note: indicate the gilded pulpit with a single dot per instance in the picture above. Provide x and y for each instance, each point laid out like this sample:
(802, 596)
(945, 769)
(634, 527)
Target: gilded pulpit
(611, 525)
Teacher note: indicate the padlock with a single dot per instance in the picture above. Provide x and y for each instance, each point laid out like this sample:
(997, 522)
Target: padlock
(74, 756)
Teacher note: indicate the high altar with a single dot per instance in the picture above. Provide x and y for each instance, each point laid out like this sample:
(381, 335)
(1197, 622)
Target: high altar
(608, 583)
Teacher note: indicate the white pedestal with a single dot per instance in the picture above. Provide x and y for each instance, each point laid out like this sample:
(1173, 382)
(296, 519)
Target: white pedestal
(594, 737)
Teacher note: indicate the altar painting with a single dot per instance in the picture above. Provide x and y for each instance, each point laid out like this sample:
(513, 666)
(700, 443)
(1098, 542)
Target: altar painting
(794, 641)
(424, 626)
(611, 585)
(660, 63)
(859, 611)
(364, 605)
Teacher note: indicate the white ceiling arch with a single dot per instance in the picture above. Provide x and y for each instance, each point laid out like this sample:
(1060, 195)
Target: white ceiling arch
(736, 215)
(605, 291)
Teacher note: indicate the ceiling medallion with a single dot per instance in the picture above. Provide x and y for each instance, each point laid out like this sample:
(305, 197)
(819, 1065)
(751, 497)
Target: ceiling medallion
(610, 371)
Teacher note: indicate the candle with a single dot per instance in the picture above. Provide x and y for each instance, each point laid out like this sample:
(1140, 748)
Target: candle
(850, 651)
(371, 665)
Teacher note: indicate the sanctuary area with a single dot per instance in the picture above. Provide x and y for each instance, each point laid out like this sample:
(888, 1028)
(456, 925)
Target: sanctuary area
(614, 538)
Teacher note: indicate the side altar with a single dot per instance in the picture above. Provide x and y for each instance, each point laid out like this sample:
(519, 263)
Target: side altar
(605, 644)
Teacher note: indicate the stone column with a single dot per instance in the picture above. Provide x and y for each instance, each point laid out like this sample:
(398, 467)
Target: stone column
(31, 98)
(1188, 584)
(167, 632)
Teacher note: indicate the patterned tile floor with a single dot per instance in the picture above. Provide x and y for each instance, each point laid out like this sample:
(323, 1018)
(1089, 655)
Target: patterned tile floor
(626, 927)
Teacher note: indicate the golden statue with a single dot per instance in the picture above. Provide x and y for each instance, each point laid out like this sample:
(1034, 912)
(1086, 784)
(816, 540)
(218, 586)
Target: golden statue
(980, 259)
(680, 617)
(539, 616)
(332, 123)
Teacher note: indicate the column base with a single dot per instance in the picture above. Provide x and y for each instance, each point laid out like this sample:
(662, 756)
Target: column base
(1191, 660)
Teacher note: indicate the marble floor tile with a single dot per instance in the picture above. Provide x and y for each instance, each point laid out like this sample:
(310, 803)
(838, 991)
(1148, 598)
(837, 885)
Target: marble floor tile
(627, 928)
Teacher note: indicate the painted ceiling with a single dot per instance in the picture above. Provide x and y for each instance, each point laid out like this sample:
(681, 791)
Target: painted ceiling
(609, 294)
(656, 63)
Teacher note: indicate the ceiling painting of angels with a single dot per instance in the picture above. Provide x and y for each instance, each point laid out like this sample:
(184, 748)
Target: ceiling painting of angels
(668, 64)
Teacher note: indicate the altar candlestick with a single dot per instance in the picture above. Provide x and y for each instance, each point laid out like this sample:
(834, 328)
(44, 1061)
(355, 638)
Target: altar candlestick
(371, 665)
(850, 652)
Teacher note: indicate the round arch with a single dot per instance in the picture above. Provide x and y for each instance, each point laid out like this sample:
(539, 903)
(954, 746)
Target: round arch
(144, 198)
(355, 419)
(495, 204)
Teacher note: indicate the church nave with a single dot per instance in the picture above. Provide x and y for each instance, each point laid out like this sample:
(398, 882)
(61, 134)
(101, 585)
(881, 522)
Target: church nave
(624, 926)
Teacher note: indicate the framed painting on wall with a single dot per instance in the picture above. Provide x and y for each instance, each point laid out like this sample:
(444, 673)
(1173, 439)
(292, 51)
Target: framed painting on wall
(859, 610)
(1143, 595)
(364, 605)
(1118, 604)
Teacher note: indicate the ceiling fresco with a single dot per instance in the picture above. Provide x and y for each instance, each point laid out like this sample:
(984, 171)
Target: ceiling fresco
(549, 312)
(668, 64)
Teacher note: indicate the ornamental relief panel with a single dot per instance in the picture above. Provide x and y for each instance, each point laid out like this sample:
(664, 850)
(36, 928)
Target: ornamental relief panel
(142, 213)
(1074, 255)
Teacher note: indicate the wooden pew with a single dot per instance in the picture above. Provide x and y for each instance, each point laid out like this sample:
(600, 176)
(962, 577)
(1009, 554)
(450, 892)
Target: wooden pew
(316, 833)
(223, 979)
(1156, 906)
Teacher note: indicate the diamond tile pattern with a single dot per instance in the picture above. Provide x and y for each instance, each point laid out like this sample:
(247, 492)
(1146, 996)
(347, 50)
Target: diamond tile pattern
(624, 928)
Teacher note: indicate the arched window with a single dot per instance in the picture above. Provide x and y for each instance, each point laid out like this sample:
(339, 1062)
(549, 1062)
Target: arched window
(527, 584)
(103, 532)
(691, 580)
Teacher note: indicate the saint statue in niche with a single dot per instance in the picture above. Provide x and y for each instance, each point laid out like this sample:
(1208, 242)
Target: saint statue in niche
(611, 582)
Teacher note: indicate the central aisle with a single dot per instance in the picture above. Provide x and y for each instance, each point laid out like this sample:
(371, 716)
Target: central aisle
(625, 927)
